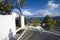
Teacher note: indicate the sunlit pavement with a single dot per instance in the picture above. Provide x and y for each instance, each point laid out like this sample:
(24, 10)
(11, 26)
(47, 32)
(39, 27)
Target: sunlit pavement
(32, 33)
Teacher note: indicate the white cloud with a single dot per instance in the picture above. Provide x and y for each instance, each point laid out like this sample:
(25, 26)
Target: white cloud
(52, 5)
(40, 13)
(56, 14)
(25, 12)
(46, 13)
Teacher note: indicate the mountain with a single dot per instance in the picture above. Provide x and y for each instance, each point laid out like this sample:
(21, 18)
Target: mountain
(57, 18)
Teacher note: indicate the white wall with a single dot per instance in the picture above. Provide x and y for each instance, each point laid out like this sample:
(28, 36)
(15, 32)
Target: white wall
(7, 22)
(22, 22)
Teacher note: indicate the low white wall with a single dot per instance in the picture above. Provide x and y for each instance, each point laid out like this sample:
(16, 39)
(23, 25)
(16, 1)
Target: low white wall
(7, 24)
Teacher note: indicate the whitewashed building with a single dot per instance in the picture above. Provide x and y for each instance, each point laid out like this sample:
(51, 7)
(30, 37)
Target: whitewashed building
(8, 26)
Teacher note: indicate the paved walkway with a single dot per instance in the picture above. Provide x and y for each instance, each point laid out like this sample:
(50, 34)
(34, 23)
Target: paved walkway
(38, 34)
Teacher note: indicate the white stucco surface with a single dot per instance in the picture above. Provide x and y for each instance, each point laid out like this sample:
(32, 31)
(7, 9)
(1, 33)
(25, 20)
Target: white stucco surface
(7, 23)
(22, 21)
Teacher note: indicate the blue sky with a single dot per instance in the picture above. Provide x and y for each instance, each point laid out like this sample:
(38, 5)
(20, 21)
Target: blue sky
(35, 4)
(41, 8)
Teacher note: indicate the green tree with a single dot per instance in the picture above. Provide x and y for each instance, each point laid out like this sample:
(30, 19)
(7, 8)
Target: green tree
(7, 5)
(49, 23)
(35, 22)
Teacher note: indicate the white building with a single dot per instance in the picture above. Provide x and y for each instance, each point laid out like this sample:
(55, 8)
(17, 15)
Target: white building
(8, 26)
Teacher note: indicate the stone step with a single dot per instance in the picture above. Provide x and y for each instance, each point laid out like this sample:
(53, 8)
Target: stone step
(18, 34)
(26, 34)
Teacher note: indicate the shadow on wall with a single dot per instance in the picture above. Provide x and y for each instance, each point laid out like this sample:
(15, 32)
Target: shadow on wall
(10, 35)
(18, 22)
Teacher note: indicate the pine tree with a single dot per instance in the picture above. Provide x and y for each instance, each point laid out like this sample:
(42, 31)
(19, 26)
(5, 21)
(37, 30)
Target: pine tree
(49, 23)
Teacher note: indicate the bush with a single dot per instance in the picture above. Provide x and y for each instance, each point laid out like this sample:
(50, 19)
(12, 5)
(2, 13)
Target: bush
(35, 22)
(49, 23)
